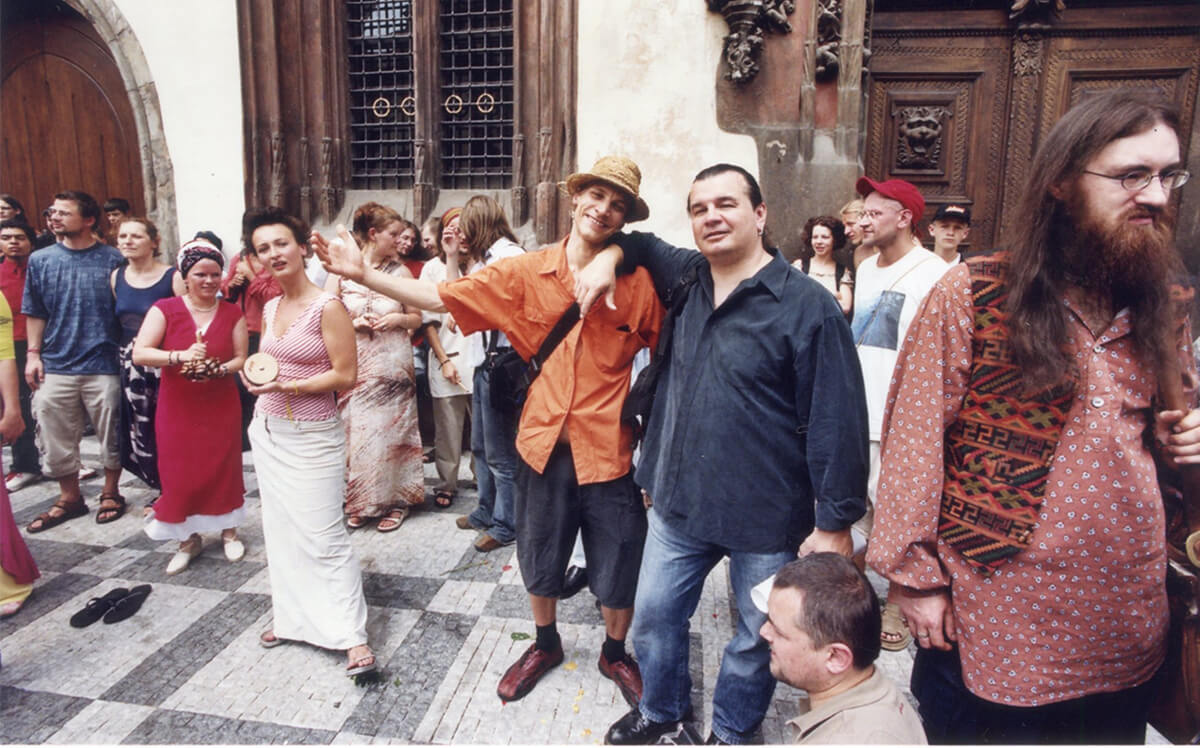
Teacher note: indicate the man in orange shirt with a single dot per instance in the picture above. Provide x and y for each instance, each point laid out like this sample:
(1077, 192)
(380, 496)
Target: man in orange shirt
(575, 452)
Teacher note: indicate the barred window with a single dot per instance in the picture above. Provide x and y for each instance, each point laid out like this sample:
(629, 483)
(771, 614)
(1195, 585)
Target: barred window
(477, 93)
(471, 91)
(382, 102)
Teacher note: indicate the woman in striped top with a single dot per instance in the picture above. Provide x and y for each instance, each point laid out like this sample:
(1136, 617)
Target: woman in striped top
(299, 450)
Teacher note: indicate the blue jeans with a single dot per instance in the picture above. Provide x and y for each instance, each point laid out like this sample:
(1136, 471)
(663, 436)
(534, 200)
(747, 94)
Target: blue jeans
(674, 567)
(494, 447)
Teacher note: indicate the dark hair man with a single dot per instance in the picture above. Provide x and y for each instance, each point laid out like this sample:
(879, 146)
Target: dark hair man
(1019, 517)
(574, 471)
(72, 329)
(823, 630)
(16, 244)
(755, 448)
(116, 209)
(950, 227)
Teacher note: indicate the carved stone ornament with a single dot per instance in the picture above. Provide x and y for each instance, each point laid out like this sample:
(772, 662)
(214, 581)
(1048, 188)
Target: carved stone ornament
(1036, 10)
(748, 21)
(829, 37)
(919, 145)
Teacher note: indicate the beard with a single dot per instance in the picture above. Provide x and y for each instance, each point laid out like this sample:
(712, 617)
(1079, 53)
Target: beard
(1123, 261)
(1133, 266)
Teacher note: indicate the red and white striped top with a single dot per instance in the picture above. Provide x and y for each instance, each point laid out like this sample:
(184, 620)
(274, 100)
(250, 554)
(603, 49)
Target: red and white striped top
(301, 353)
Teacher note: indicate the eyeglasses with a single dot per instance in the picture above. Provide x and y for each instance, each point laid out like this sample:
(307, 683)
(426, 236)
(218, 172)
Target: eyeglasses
(876, 214)
(1136, 181)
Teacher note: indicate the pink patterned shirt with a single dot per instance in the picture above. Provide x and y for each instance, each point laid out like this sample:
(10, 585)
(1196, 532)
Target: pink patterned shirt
(1084, 609)
(301, 353)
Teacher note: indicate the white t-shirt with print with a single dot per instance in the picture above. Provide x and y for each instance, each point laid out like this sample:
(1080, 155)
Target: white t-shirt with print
(885, 303)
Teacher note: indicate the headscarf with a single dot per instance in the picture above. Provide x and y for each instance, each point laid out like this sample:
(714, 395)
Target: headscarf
(450, 215)
(195, 251)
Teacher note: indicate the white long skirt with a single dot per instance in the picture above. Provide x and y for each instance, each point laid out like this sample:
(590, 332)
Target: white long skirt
(316, 580)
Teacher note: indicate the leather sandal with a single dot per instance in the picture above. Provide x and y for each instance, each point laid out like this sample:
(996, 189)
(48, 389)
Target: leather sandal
(894, 634)
(443, 499)
(392, 520)
(68, 510)
(114, 510)
(362, 664)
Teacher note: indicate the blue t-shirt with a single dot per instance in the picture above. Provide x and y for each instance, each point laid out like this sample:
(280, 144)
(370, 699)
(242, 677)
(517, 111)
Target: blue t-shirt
(68, 288)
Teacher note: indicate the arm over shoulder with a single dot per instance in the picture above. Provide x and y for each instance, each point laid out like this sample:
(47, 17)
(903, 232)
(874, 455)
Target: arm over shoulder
(666, 263)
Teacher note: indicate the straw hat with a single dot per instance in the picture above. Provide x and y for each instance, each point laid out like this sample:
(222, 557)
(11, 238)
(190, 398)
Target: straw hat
(619, 173)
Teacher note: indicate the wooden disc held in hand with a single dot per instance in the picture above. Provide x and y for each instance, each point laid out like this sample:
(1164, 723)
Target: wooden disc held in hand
(261, 368)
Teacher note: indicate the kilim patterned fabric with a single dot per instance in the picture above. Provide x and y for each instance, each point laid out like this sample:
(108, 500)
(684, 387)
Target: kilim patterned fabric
(998, 452)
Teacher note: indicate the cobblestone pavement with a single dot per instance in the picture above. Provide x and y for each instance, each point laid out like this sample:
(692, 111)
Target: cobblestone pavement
(444, 620)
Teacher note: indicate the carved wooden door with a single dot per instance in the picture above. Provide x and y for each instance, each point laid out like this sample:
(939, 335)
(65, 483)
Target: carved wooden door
(937, 116)
(82, 135)
(960, 99)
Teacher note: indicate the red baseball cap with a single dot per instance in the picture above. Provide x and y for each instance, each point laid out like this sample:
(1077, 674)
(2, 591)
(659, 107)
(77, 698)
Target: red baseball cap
(905, 193)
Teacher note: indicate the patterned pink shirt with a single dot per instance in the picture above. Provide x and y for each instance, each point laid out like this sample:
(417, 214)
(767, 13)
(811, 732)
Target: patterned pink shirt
(301, 353)
(1084, 609)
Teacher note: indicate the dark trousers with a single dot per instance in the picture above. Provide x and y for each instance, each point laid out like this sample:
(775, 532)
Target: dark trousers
(247, 400)
(25, 458)
(953, 715)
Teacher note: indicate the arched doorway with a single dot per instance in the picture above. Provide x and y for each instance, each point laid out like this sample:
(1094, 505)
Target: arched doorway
(68, 121)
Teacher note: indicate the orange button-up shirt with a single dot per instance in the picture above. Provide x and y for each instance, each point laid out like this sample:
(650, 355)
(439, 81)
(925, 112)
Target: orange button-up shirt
(584, 382)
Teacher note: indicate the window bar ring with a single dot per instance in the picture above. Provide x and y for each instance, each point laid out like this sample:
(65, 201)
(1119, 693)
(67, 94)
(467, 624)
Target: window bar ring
(408, 105)
(490, 103)
(381, 103)
(453, 104)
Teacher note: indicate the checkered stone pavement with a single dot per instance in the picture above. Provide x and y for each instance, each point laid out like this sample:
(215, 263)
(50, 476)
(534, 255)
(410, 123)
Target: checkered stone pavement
(444, 621)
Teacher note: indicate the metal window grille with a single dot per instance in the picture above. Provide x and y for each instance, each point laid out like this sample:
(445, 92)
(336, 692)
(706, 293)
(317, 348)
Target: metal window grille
(382, 103)
(477, 93)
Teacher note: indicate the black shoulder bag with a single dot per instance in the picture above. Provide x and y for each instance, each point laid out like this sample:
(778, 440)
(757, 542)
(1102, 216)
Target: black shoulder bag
(509, 375)
(640, 401)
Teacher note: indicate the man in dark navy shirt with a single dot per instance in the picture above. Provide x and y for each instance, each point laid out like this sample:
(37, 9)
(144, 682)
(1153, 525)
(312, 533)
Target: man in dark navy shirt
(756, 447)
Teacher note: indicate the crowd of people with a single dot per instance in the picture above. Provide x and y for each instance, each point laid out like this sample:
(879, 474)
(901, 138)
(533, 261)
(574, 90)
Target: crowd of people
(972, 426)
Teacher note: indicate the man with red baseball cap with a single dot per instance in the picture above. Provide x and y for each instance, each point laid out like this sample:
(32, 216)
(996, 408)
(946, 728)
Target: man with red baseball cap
(888, 290)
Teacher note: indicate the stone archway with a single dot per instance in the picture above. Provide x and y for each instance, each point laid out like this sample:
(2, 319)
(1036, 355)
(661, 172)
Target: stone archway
(158, 174)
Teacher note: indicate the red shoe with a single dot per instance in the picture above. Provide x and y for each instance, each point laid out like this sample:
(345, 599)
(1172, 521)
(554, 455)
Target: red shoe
(626, 674)
(523, 675)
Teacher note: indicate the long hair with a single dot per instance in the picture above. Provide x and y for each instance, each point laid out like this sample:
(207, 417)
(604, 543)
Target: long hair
(835, 227)
(483, 223)
(433, 229)
(1037, 321)
(418, 249)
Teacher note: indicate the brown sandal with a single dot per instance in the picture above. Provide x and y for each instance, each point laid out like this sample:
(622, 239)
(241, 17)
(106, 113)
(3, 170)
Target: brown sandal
(68, 510)
(112, 508)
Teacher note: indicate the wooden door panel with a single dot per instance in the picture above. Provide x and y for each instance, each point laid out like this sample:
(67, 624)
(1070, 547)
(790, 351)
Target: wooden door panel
(67, 123)
(937, 117)
(1076, 66)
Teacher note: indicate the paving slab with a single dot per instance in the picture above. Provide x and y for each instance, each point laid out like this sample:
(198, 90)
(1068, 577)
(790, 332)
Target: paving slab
(445, 622)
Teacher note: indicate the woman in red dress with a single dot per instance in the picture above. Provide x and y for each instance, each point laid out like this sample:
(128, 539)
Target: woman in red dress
(199, 342)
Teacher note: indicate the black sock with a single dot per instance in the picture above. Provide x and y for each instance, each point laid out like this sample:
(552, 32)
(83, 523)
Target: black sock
(613, 649)
(547, 638)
